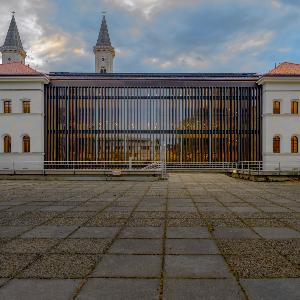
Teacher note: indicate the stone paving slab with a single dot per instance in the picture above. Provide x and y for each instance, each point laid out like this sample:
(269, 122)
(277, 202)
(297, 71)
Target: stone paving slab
(58, 208)
(196, 266)
(137, 246)
(208, 289)
(277, 233)
(235, 233)
(195, 236)
(95, 232)
(272, 289)
(12, 231)
(117, 289)
(191, 246)
(129, 266)
(3, 281)
(187, 233)
(37, 289)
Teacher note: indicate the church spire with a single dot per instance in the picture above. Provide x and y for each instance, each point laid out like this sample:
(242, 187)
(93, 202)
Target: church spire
(104, 51)
(12, 49)
(103, 38)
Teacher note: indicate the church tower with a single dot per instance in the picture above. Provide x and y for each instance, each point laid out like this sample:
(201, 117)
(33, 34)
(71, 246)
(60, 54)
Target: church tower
(12, 50)
(104, 52)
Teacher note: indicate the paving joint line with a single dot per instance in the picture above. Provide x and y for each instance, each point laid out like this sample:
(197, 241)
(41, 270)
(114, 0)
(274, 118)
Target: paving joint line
(106, 249)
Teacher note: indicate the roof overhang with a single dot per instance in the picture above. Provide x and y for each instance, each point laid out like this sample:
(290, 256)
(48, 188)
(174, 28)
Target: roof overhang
(278, 79)
(27, 78)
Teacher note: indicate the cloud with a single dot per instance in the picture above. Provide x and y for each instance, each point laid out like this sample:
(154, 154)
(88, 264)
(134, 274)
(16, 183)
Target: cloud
(158, 35)
(198, 61)
(149, 8)
(190, 60)
(46, 44)
(55, 48)
(247, 44)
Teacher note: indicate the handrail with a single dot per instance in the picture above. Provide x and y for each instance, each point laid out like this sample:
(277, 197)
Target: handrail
(133, 165)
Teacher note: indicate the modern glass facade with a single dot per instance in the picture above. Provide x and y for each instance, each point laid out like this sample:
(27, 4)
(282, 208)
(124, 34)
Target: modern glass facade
(177, 117)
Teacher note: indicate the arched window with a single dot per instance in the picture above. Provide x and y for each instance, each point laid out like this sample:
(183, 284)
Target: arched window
(26, 144)
(103, 70)
(294, 145)
(7, 144)
(276, 144)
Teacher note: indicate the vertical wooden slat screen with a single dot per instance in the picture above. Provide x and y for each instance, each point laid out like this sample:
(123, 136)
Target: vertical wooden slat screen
(190, 123)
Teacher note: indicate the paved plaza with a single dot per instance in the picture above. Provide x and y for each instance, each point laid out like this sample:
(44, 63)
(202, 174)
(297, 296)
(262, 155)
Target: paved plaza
(195, 236)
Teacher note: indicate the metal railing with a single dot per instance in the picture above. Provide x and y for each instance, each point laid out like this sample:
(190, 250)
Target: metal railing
(130, 165)
(273, 168)
(148, 166)
(222, 166)
(93, 167)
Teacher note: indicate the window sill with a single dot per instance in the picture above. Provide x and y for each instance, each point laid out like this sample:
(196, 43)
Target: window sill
(21, 153)
(281, 115)
(281, 154)
(22, 114)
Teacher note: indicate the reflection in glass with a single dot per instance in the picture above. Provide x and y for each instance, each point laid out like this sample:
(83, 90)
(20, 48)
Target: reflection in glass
(182, 124)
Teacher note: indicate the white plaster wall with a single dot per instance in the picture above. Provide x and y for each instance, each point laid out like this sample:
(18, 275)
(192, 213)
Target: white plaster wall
(16, 124)
(108, 62)
(285, 125)
(12, 56)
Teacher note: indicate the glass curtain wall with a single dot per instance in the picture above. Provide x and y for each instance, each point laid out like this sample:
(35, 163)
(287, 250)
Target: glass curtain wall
(196, 124)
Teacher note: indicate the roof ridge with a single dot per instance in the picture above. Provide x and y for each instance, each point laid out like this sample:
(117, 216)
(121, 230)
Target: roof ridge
(285, 69)
(18, 68)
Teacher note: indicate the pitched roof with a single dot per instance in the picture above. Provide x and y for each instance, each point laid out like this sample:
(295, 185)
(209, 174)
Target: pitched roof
(285, 69)
(13, 40)
(103, 38)
(17, 69)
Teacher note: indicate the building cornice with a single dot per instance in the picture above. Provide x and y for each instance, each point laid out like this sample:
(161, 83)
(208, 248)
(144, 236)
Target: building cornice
(278, 79)
(282, 154)
(41, 79)
(21, 114)
(283, 115)
(21, 153)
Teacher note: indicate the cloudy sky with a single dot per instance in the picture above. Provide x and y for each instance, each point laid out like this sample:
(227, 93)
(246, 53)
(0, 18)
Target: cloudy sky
(159, 35)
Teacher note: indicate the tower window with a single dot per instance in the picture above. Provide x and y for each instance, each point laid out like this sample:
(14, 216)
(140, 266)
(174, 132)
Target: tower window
(294, 107)
(103, 59)
(294, 145)
(7, 144)
(276, 144)
(26, 107)
(7, 107)
(103, 70)
(276, 107)
(26, 144)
